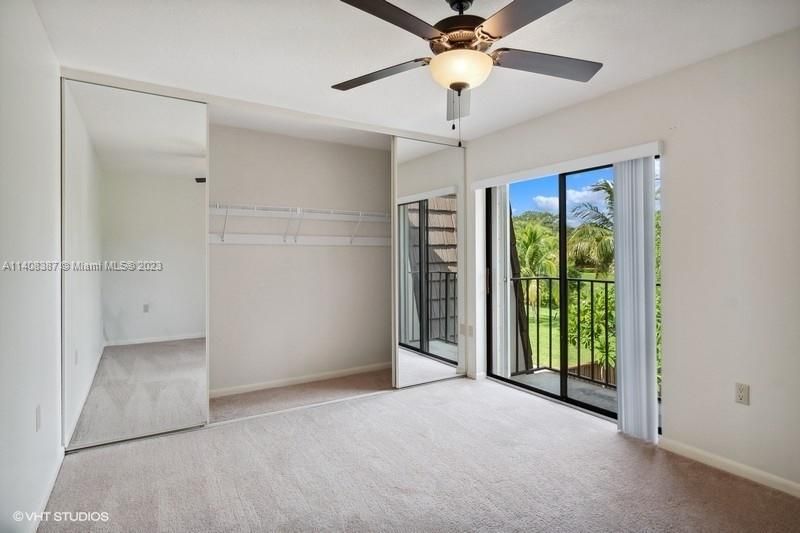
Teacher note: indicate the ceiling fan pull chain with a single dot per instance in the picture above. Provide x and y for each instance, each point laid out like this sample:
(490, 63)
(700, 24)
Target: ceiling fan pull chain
(459, 118)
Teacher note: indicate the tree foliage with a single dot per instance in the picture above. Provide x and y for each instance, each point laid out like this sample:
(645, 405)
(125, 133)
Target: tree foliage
(591, 245)
(592, 321)
(590, 255)
(537, 247)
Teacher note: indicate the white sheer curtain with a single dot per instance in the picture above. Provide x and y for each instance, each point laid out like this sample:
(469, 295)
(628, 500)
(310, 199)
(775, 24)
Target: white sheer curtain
(634, 250)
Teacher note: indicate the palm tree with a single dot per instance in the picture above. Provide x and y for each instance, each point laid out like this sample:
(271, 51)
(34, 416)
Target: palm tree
(537, 247)
(592, 243)
(591, 214)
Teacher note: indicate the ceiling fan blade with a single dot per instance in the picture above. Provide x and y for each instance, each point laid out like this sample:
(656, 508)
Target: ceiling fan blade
(394, 15)
(515, 15)
(380, 74)
(549, 65)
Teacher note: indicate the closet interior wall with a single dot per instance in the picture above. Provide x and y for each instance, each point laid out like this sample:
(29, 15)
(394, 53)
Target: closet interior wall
(285, 313)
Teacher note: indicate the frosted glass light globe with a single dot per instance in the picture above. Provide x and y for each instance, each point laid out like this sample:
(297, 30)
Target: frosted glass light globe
(461, 68)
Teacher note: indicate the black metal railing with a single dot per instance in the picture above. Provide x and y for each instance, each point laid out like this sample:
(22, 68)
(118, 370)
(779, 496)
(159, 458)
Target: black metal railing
(441, 309)
(591, 332)
(591, 328)
(443, 306)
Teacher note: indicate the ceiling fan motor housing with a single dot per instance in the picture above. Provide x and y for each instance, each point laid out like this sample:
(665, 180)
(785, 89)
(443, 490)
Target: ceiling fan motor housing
(459, 32)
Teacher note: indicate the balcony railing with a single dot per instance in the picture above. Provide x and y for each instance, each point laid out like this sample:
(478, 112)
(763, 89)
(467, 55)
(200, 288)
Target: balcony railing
(591, 328)
(442, 307)
(591, 332)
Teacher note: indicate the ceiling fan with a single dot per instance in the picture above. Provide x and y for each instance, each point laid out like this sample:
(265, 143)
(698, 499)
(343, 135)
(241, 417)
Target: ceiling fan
(460, 44)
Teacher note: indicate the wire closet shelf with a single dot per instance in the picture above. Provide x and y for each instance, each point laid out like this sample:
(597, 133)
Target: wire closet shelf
(294, 216)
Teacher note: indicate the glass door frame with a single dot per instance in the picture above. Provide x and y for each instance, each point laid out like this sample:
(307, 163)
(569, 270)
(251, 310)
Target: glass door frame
(422, 243)
(563, 317)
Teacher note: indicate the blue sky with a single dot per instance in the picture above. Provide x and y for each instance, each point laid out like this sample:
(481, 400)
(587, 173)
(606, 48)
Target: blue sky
(541, 194)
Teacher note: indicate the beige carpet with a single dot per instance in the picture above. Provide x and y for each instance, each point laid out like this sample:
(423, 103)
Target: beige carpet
(281, 398)
(456, 455)
(141, 389)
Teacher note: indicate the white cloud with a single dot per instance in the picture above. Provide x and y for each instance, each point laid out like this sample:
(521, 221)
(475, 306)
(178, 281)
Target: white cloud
(584, 195)
(574, 197)
(546, 203)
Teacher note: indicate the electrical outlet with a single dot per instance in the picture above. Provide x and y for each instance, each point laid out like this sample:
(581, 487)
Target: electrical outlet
(38, 418)
(146, 308)
(743, 393)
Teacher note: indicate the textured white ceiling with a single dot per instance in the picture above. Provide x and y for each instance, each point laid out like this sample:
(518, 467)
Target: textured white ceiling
(287, 53)
(137, 134)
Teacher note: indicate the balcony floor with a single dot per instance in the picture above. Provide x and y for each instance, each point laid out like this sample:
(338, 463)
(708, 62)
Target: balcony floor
(578, 389)
(444, 349)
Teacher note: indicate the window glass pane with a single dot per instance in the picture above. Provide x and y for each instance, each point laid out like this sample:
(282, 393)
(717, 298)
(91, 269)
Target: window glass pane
(535, 355)
(442, 277)
(590, 307)
(409, 275)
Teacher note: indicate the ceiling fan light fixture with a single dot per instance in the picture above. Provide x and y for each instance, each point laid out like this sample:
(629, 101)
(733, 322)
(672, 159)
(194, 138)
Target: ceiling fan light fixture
(461, 68)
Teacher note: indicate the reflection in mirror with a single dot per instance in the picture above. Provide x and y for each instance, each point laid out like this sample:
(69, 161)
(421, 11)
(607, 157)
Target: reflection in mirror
(134, 238)
(428, 282)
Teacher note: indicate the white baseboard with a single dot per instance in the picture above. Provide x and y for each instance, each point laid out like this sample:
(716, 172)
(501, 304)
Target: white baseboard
(309, 378)
(167, 338)
(34, 524)
(732, 467)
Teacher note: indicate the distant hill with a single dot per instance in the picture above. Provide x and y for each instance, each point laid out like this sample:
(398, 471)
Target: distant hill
(547, 220)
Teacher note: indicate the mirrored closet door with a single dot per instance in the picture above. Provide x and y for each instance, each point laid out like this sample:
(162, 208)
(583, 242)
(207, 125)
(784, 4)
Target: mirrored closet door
(428, 179)
(134, 245)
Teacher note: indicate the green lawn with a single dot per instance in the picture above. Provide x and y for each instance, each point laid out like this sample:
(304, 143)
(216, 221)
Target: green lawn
(544, 340)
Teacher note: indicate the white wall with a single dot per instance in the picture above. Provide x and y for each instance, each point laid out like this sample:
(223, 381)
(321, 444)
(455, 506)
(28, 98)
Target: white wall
(730, 191)
(30, 368)
(154, 218)
(280, 314)
(442, 168)
(83, 339)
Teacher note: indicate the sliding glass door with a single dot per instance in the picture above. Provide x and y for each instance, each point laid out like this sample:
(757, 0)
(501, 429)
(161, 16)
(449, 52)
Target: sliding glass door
(555, 273)
(590, 299)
